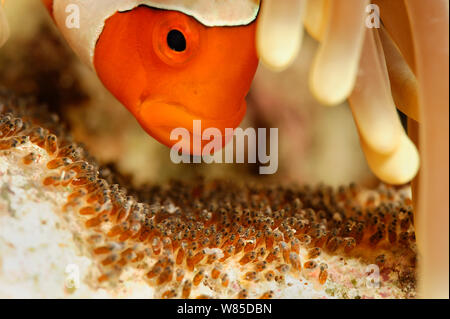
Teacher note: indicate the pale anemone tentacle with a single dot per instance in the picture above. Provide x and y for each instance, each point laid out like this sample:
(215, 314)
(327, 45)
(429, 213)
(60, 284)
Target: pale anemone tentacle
(316, 17)
(4, 26)
(430, 29)
(397, 168)
(371, 101)
(335, 66)
(280, 32)
(413, 133)
(403, 81)
(396, 21)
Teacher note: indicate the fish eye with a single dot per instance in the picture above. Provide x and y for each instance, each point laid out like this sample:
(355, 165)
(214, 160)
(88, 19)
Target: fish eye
(170, 39)
(176, 40)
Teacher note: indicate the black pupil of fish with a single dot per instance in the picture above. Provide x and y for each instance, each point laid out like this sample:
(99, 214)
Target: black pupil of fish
(176, 41)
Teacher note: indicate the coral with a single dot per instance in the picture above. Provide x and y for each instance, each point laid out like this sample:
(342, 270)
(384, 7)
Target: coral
(208, 238)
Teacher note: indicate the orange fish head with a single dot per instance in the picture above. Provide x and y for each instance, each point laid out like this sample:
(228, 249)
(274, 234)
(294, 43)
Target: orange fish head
(168, 69)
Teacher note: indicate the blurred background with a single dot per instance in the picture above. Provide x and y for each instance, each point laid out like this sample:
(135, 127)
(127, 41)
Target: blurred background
(317, 144)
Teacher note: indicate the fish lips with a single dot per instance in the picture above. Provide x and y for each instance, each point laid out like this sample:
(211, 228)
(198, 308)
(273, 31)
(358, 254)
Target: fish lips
(159, 119)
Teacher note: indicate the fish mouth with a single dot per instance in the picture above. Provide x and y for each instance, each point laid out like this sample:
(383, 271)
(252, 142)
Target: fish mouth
(159, 119)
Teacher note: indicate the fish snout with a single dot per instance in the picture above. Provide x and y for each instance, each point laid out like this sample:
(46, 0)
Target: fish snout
(171, 122)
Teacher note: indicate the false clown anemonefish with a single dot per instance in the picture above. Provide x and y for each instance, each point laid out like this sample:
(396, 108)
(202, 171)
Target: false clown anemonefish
(170, 62)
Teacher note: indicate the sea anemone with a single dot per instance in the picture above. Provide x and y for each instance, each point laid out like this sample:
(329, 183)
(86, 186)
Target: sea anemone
(382, 55)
